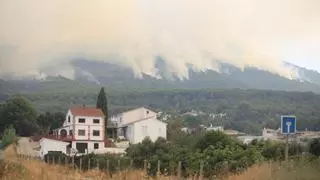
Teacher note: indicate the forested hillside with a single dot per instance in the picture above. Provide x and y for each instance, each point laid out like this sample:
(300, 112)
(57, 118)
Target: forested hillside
(89, 74)
(247, 110)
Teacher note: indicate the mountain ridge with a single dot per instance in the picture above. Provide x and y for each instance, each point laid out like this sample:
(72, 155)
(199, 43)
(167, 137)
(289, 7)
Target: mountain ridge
(89, 74)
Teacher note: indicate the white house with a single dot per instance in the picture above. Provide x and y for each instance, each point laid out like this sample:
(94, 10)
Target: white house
(215, 128)
(248, 139)
(136, 124)
(83, 129)
(270, 133)
(48, 145)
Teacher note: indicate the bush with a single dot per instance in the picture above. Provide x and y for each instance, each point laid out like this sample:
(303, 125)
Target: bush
(9, 136)
(217, 151)
(219, 154)
(314, 147)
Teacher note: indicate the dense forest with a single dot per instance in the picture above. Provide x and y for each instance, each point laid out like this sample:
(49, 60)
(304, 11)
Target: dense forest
(247, 110)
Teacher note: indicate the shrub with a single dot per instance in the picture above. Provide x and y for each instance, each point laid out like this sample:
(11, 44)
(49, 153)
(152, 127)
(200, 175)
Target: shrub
(9, 136)
(314, 147)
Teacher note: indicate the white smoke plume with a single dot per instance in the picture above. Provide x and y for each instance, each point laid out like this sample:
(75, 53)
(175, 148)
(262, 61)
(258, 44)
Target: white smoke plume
(42, 34)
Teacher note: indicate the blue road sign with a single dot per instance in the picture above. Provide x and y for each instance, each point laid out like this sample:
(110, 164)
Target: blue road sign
(288, 124)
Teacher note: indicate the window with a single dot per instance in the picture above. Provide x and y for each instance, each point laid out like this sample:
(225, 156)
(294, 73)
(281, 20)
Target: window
(82, 120)
(96, 145)
(96, 121)
(69, 119)
(96, 133)
(81, 132)
(70, 132)
(147, 112)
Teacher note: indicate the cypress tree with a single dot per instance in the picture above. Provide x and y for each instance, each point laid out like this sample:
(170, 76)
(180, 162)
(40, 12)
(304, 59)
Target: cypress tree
(102, 103)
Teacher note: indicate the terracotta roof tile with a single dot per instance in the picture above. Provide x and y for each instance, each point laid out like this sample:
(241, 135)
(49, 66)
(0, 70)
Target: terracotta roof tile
(86, 111)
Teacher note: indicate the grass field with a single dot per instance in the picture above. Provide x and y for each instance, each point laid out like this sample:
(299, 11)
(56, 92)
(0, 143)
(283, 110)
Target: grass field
(13, 168)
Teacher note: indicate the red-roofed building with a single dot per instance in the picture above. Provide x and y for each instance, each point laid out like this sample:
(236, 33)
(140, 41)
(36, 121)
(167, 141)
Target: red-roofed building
(83, 128)
(86, 111)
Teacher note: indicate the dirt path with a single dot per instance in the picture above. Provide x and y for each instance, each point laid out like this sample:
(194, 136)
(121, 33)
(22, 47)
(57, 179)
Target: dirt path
(27, 147)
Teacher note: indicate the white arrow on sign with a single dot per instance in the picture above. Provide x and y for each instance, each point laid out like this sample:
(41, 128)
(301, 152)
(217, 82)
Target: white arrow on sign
(288, 123)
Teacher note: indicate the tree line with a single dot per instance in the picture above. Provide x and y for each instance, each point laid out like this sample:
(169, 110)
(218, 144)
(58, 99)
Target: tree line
(18, 113)
(247, 110)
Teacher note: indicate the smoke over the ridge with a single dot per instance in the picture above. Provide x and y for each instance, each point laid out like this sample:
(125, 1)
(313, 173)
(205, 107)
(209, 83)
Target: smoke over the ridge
(42, 34)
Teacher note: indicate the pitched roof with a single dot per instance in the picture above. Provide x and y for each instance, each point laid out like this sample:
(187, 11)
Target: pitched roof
(86, 111)
(52, 139)
(133, 109)
(152, 117)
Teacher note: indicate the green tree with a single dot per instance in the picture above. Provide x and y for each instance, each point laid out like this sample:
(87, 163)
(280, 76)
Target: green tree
(102, 103)
(49, 121)
(19, 113)
(215, 138)
(174, 129)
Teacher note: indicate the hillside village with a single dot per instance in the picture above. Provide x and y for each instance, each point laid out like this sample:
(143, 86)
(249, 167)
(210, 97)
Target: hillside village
(85, 137)
(85, 129)
(83, 132)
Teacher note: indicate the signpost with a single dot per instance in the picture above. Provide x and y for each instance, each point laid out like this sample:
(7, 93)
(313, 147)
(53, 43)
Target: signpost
(288, 127)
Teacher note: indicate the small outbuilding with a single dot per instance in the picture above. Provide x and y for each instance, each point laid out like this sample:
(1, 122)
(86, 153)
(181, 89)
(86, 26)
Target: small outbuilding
(51, 145)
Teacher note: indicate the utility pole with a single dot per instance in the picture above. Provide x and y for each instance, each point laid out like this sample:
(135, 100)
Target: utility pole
(288, 127)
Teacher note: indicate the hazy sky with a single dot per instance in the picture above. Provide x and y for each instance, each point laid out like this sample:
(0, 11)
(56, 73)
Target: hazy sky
(46, 34)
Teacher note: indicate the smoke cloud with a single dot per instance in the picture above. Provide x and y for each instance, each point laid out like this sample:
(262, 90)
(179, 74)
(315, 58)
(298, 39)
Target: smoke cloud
(36, 35)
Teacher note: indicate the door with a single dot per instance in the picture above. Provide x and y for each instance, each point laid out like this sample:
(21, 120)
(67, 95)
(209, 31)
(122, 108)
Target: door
(81, 147)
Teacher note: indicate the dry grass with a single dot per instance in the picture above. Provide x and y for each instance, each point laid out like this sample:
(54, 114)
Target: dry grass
(24, 169)
(277, 171)
(29, 169)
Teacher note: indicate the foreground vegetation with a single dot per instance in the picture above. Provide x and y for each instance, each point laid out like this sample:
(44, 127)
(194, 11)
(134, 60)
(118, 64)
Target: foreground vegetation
(14, 168)
(209, 155)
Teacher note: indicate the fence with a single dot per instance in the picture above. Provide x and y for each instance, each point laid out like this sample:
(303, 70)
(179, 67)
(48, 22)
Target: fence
(112, 165)
(121, 168)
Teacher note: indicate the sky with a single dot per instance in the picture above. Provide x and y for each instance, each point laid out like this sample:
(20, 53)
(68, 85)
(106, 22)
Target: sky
(46, 35)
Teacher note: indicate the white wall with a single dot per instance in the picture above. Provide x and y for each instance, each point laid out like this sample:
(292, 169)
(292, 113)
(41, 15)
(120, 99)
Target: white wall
(150, 127)
(130, 132)
(269, 133)
(89, 126)
(133, 115)
(47, 145)
(67, 128)
(66, 122)
(90, 145)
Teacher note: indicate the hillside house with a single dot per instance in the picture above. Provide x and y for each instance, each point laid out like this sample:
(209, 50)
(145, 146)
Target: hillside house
(270, 133)
(215, 128)
(136, 124)
(83, 131)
